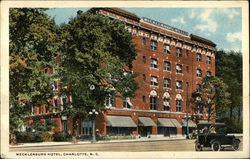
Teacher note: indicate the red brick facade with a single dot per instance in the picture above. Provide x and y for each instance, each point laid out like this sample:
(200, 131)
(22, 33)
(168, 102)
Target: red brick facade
(144, 31)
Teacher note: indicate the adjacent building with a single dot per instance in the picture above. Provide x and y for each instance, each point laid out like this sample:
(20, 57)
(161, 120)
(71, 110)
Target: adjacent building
(170, 65)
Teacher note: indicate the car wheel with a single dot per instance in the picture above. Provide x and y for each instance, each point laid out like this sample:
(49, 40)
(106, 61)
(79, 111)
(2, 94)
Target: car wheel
(216, 146)
(236, 145)
(198, 147)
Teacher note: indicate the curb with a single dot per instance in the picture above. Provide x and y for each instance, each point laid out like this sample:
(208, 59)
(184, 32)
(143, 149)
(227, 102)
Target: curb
(86, 143)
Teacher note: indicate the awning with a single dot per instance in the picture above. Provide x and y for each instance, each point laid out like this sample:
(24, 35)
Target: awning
(120, 121)
(176, 123)
(146, 121)
(190, 123)
(165, 122)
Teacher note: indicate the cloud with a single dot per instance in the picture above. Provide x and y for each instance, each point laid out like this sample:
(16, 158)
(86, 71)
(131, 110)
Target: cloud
(232, 37)
(229, 12)
(178, 20)
(205, 16)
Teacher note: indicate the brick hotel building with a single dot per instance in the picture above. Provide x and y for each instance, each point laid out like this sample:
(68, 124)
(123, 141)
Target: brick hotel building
(170, 65)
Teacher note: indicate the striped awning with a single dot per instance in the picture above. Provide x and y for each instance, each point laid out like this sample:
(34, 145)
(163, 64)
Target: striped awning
(165, 122)
(120, 121)
(176, 123)
(190, 123)
(146, 121)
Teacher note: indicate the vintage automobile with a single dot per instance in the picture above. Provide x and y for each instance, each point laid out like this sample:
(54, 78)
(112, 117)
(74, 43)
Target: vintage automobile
(207, 137)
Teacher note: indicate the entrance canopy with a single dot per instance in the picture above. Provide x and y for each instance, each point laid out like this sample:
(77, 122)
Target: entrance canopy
(146, 121)
(190, 123)
(120, 121)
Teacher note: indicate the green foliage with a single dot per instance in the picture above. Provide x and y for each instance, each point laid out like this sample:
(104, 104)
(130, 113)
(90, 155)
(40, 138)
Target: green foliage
(61, 137)
(96, 51)
(40, 126)
(229, 68)
(232, 126)
(33, 43)
(214, 96)
(47, 137)
(28, 137)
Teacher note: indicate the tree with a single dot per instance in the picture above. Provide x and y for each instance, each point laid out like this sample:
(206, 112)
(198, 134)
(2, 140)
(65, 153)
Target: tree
(97, 52)
(33, 43)
(213, 97)
(229, 68)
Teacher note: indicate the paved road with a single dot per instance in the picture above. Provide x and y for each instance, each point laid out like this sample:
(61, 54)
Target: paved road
(175, 145)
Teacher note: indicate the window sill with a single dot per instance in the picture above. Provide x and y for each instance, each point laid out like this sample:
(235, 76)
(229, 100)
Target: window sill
(154, 86)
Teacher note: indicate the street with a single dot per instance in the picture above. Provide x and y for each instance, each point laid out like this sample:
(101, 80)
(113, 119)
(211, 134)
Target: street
(173, 145)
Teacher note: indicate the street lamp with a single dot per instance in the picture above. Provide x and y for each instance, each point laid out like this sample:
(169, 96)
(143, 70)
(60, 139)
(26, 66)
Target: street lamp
(94, 114)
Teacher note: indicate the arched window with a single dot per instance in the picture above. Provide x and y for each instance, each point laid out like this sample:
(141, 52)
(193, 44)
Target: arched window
(153, 100)
(166, 101)
(178, 99)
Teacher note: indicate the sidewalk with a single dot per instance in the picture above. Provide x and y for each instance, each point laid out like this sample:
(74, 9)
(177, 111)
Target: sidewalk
(144, 139)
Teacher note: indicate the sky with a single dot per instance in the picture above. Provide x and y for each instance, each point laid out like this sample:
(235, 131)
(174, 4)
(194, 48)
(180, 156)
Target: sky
(223, 26)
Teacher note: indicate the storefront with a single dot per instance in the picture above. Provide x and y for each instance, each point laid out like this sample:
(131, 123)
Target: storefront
(145, 125)
(168, 127)
(120, 125)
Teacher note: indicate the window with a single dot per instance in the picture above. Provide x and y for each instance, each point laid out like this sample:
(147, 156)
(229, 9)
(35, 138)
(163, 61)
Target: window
(208, 60)
(153, 45)
(41, 109)
(179, 85)
(198, 88)
(154, 81)
(166, 49)
(198, 57)
(187, 68)
(199, 73)
(179, 105)
(144, 77)
(64, 126)
(63, 101)
(153, 63)
(167, 83)
(127, 103)
(166, 66)
(32, 111)
(187, 52)
(55, 104)
(153, 102)
(46, 109)
(143, 41)
(166, 104)
(178, 68)
(179, 52)
(208, 73)
(55, 86)
(143, 99)
(110, 101)
(144, 59)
